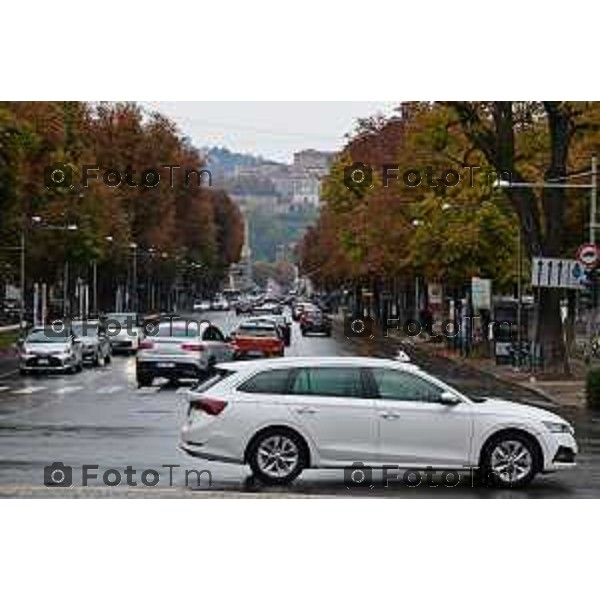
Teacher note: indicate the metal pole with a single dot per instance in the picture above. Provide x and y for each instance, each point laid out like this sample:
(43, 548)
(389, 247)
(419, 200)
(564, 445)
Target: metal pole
(134, 298)
(593, 201)
(22, 307)
(95, 286)
(66, 289)
(44, 303)
(519, 292)
(417, 298)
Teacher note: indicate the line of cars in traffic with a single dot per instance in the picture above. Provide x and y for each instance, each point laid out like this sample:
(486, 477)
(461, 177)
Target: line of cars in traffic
(190, 348)
(66, 346)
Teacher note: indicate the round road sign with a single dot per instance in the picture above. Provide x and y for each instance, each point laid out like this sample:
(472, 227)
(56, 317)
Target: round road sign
(588, 255)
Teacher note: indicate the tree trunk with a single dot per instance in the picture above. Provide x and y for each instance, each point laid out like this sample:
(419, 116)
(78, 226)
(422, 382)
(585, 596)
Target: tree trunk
(550, 332)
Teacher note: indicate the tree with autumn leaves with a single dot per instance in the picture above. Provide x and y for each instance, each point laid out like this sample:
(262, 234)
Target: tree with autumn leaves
(183, 231)
(452, 233)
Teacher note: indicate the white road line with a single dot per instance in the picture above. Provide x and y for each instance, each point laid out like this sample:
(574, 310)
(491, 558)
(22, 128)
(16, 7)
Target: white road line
(109, 389)
(69, 389)
(31, 389)
(3, 388)
(147, 390)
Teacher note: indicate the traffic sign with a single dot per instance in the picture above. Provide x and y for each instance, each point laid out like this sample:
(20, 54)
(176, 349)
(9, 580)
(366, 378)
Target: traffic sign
(557, 272)
(588, 255)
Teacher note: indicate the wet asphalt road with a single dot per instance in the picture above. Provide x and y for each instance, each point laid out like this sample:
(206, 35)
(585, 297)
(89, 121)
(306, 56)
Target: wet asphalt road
(99, 417)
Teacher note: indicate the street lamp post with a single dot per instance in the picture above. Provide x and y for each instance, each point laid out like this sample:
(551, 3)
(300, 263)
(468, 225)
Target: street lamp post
(134, 303)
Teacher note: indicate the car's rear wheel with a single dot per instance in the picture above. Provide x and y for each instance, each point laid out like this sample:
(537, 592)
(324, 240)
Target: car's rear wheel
(144, 380)
(277, 456)
(510, 460)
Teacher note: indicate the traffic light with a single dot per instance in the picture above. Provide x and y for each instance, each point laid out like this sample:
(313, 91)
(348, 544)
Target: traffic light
(588, 298)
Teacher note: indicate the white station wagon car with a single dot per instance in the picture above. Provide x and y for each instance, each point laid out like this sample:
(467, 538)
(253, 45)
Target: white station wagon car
(286, 414)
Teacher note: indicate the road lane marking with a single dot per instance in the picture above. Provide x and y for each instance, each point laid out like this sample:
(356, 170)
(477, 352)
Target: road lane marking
(68, 389)
(109, 389)
(8, 374)
(3, 388)
(31, 389)
(147, 390)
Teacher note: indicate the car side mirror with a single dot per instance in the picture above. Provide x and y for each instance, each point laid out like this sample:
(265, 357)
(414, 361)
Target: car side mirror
(449, 399)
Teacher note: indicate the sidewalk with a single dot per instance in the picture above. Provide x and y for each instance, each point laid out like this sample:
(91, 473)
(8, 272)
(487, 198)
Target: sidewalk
(564, 392)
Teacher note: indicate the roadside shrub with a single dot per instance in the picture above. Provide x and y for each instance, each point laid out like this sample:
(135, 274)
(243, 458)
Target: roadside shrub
(592, 388)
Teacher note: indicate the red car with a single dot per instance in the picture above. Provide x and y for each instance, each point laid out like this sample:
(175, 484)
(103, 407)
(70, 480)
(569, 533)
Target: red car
(257, 340)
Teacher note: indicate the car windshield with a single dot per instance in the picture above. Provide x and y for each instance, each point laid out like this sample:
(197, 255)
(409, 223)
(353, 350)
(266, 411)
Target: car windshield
(122, 318)
(39, 336)
(256, 331)
(84, 329)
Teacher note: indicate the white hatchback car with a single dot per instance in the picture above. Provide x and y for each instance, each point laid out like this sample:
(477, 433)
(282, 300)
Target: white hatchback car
(284, 415)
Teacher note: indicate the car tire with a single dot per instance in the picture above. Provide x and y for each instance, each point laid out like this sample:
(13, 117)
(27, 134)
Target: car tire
(22, 372)
(510, 460)
(289, 456)
(144, 380)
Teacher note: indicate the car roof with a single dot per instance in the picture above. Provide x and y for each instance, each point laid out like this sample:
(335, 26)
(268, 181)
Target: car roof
(201, 325)
(316, 361)
(257, 324)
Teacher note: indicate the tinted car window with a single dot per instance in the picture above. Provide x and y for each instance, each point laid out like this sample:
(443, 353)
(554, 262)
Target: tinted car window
(268, 382)
(399, 385)
(329, 381)
(213, 334)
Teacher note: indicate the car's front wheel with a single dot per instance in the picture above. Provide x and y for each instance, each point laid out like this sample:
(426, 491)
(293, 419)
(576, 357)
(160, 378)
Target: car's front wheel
(510, 460)
(277, 456)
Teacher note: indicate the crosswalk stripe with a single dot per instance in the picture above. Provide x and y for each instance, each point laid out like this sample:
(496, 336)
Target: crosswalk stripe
(69, 389)
(30, 389)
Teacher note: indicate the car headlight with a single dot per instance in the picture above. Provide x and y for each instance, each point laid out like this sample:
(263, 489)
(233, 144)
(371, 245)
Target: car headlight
(558, 427)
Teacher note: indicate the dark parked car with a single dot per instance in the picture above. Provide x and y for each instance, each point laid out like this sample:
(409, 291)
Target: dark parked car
(314, 320)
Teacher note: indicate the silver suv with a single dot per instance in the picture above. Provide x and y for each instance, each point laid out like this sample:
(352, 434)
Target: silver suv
(180, 348)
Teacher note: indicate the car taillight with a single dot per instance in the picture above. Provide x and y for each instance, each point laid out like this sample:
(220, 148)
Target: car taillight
(192, 347)
(145, 344)
(210, 406)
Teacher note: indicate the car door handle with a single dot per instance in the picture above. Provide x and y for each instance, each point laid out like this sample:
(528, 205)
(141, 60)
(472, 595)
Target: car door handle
(306, 411)
(389, 416)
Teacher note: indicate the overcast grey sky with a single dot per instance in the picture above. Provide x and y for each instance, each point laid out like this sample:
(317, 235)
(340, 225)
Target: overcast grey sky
(274, 130)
